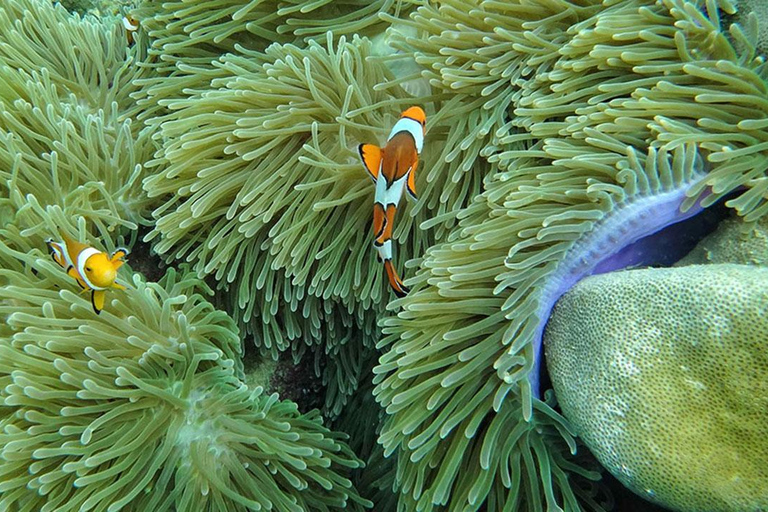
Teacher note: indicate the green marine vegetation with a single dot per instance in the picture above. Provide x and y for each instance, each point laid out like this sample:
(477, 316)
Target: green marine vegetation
(186, 40)
(143, 407)
(675, 403)
(611, 106)
(264, 190)
(67, 145)
(225, 134)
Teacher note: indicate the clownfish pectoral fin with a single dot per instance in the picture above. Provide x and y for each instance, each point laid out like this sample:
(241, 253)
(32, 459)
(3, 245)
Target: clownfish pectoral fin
(379, 222)
(119, 254)
(394, 280)
(370, 154)
(97, 300)
(118, 257)
(410, 185)
(118, 286)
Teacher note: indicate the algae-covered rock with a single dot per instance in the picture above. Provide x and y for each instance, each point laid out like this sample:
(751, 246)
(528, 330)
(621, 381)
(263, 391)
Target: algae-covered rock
(758, 9)
(732, 242)
(664, 375)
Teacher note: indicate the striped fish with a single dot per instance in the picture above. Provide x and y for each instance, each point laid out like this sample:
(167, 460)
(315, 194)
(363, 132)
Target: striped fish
(393, 170)
(92, 269)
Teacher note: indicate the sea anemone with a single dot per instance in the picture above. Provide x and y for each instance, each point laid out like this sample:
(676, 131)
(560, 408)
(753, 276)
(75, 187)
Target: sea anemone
(66, 138)
(264, 190)
(143, 406)
(640, 111)
(87, 59)
(186, 40)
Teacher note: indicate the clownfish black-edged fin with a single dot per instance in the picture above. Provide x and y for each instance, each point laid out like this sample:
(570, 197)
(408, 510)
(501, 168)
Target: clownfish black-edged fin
(56, 251)
(370, 154)
(97, 300)
(410, 185)
(120, 254)
(394, 280)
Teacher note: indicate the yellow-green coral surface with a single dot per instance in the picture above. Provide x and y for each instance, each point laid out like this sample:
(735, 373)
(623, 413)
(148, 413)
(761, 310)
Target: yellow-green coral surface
(662, 372)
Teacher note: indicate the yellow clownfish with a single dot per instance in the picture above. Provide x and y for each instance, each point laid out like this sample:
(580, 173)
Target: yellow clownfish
(92, 269)
(393, 170)
(131, 25)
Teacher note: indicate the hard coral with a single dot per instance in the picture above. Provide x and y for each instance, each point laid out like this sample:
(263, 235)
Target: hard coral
(675, 400)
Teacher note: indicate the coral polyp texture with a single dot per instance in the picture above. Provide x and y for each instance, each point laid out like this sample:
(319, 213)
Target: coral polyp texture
(143, 406)
(675, 403)
(632, 115)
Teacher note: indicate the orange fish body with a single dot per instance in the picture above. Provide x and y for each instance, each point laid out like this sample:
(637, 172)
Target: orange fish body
(393, 170)
(93, 270)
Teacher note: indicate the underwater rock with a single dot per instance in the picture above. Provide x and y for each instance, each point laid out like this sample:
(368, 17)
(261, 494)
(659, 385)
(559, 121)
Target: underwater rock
(662, 373)
(732, 242)
(758, 9)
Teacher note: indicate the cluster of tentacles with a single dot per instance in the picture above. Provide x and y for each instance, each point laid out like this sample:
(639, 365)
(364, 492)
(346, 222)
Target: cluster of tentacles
(559, 133)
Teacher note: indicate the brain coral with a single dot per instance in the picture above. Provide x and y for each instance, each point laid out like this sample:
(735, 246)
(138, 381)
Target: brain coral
(143, 407)
(662, 373)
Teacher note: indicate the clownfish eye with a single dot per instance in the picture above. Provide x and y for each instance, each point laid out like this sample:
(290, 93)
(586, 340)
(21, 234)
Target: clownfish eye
(87, 269)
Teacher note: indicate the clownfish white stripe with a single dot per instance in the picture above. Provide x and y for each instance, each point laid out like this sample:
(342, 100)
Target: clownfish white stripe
(385, 250)
(81, 260)
(406, 124)
(130, 24)
(60, 248)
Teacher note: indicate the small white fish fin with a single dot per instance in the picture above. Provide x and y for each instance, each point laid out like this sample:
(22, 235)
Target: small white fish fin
(370, 154)
(56, 251)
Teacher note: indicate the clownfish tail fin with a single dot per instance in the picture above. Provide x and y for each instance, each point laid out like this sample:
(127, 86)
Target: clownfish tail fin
(394, 280)
(370, 154)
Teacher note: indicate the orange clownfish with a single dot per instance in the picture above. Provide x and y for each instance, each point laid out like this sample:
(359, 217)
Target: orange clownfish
(393, 169)
(92, 269)
(131, 25)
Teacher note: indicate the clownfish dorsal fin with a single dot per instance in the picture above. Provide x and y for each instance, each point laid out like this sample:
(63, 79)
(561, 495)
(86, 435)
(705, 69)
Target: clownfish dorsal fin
(73, 247)
(370, 154)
